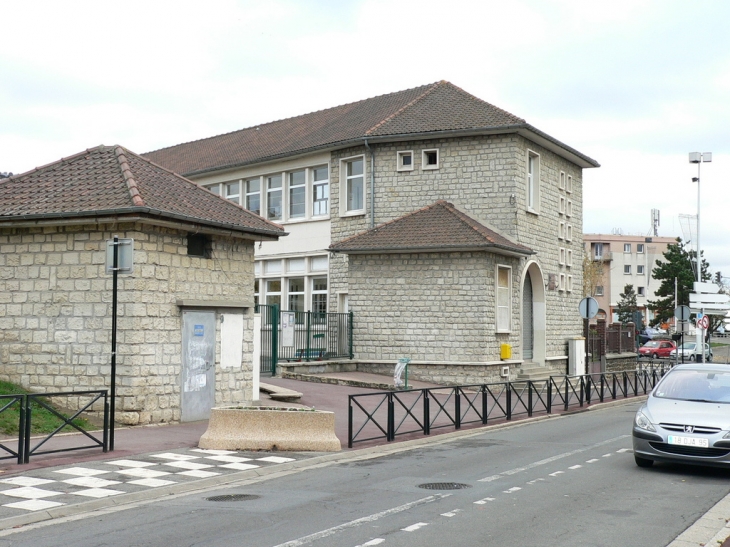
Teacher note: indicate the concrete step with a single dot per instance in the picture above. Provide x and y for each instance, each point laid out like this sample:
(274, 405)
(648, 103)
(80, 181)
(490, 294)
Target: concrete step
(278, 393)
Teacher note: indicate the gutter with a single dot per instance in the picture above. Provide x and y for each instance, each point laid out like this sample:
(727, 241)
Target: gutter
(372, 183)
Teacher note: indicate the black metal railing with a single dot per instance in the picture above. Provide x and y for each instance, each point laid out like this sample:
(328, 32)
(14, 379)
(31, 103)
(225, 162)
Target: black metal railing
(25, 404)
(303, 336)
(385, 415)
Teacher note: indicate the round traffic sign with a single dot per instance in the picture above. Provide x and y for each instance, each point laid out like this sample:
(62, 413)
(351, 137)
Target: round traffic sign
(682, 313)
(588, 308)
(703, 322)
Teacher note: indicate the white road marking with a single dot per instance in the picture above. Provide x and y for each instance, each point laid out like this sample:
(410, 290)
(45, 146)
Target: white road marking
(414, 527)
(551, 459)
(575, 467)
(451, 513)
(513, 489)
(592, 460)
(376, 541)
(557, 473)
(357, 522)
(606, 456)
(536, 480)
(483, 501)
(624, 450)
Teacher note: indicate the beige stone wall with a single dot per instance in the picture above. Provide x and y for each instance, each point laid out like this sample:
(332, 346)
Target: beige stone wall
(56, 303)
(479, 175)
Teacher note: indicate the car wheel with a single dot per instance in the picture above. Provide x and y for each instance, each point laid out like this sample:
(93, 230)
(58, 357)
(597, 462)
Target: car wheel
(693, 358)
(709, 358)
(655, 356)
(643, 462)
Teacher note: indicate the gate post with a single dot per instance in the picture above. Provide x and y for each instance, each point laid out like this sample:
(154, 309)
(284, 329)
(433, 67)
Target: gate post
(274, 338)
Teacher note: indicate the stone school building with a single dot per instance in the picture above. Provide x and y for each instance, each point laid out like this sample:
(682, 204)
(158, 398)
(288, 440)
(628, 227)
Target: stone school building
(190, 293)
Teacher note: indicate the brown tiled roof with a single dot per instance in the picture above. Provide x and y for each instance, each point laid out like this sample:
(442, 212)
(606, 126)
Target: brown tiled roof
(110, 181)
(427, 110)
(437, 228)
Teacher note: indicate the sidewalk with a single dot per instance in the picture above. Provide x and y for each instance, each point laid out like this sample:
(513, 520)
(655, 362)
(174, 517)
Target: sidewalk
(151, 461)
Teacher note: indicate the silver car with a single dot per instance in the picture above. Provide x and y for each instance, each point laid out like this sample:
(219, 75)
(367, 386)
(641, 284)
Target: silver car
(690, 352)
(686, 418)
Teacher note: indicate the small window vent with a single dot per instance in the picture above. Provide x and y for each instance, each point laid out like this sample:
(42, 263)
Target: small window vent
(199, 245)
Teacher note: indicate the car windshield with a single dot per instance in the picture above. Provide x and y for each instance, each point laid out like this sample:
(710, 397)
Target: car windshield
(651, 344)
(693, 385)
(688, 345)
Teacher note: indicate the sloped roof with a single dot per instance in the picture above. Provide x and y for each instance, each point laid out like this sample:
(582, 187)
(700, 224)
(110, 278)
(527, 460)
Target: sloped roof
(440, 227)
(112, 181)
(429, 110)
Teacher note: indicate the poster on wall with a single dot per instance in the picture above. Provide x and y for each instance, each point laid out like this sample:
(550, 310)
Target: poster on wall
(287, 328)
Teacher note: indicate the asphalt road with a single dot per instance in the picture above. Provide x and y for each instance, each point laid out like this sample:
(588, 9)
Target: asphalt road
(565, 481)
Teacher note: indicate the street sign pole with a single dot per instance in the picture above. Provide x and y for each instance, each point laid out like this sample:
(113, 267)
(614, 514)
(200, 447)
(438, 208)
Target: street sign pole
(113, 389)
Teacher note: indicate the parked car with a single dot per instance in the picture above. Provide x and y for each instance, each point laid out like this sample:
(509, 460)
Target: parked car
(686, 418)
(690, 352)
(647, 334)
(657, 349)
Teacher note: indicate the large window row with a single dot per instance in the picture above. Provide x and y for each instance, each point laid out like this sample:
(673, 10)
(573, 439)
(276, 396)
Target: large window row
(289, 195)
(294, 284)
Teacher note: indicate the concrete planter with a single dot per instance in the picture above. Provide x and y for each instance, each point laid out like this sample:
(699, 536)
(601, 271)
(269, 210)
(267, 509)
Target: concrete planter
(270, 428)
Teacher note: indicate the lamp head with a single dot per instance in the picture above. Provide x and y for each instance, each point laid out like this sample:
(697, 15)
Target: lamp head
(695, 179)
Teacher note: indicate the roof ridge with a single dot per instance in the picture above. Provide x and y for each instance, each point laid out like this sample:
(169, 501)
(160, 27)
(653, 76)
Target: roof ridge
(405, 107)
(134, 192)
(257, 125)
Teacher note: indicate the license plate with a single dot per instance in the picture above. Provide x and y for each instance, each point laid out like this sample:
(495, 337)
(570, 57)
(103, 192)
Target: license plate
(689, 441)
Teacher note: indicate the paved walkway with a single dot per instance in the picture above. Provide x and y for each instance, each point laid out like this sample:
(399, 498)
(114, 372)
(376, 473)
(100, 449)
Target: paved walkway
(151, 461)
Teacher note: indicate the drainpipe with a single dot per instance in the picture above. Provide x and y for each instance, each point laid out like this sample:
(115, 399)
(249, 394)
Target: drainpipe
(372, 184)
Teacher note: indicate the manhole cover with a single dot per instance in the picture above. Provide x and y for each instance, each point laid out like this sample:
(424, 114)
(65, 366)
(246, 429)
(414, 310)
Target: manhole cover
(444, 486)
(233, 497)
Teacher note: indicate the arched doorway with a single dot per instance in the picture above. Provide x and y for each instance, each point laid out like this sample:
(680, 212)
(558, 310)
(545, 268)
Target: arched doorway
(533, 314)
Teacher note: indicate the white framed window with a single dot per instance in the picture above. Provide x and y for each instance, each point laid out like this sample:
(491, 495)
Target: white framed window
(504, 298)
(272, 266)
(640, 248)
(430, 159)
(597, 251)
(273, 292)
(640, 269)
(297, 194)
(318, 263)
(295, 293)
(561, 257)
(353, 185)
(273, 197)
(640, 291)
(569, 257)
(627, 247)
(561, 209)
(627, 269)
(233, 191)
(295, 265)
(561, 230)
(405, 160)
(253, 195)
(568, 232)
(562, 180)
(561, 283)
(569, 185)
(319, 294)
(569, 284)
(215, 188)
(533, 182)
(569, 209)
(599, 290)
(320, 191)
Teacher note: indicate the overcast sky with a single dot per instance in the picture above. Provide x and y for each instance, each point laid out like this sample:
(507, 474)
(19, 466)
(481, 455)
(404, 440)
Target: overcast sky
(636, 85)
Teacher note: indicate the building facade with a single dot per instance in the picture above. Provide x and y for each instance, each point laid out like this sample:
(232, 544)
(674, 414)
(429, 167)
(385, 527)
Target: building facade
(625, 260)
(340, 172)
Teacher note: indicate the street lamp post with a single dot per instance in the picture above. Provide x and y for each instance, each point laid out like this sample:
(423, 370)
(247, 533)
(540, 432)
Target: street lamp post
(696, 157)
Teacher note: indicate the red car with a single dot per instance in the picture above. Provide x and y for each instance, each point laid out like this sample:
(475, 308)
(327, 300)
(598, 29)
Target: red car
(657, 349)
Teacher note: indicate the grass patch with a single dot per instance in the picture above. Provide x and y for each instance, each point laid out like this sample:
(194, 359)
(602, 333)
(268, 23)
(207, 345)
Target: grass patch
(42, 420)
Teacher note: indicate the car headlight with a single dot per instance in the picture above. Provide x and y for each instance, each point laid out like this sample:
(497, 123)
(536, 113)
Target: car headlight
(727, 435)
(642, 422)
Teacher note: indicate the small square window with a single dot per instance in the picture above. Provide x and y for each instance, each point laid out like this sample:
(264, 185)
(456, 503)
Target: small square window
(561, 286)
(561, 230)
(627, 269)
(569, 232)
(640, 270)
(627, 247)
(430, 159)
(405, 161)
(640, 248)
(599, 290)
(561, 210)
(569, 185)
(569, 258)
(562, 180)
(569, 209)
(561, 259)
(199, 245)
(569, 284)
(640, 291)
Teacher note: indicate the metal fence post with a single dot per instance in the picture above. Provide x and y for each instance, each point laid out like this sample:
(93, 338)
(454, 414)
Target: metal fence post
(509, 401)
(349, 332)
(274, 338)
(457, 408)
(391, 418)
(485, 406)
(426, 412)
(349, 421)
